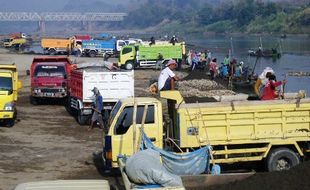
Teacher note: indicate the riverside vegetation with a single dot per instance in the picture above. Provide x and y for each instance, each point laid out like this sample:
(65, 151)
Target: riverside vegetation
(239, 16)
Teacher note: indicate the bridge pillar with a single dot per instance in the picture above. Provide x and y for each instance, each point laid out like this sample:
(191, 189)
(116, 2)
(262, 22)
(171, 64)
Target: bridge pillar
(42, 26)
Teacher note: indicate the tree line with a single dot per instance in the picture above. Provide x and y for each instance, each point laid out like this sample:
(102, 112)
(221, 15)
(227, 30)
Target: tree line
(222, 16)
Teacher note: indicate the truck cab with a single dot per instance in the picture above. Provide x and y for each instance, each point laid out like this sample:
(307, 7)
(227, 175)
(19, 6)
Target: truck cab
(12, 42)
(101, 46)
(123, 135)
(50, 78)
(9, 86)
(275, 132)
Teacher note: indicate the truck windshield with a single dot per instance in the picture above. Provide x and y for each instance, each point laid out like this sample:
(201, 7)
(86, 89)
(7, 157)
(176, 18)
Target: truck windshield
(114, 111)
(49, 71)
(5, 83)
(7, 40)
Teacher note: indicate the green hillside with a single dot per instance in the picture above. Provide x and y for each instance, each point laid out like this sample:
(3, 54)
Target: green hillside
(241, 16)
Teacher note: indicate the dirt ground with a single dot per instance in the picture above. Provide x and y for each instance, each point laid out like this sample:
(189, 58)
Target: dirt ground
(47, 143)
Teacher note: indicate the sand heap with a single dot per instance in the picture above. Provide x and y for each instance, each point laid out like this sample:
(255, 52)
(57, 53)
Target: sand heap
(198, 84)
(202, 88)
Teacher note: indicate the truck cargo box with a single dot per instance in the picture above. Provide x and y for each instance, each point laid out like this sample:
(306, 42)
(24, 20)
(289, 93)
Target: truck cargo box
(112, 84)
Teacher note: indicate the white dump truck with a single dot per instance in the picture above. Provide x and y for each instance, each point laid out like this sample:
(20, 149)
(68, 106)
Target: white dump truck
(113, 84)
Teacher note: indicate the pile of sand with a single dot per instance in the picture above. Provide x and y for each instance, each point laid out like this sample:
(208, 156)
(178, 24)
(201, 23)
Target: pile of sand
(202, 88)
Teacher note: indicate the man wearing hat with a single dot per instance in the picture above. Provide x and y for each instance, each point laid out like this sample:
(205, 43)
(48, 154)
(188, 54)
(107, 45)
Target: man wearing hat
(98, 106)
(166, 79)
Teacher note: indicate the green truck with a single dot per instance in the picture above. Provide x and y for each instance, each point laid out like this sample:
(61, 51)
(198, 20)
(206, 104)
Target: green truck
(147, 55)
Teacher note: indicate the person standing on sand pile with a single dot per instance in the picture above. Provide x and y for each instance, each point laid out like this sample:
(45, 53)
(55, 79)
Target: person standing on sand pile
(209, 56)
(239, 70)
(226, 60)
(262, 80)
(269, 91)
(97, 108)
(173, 40)
(166, 79)
(152, 41)
(213, 68)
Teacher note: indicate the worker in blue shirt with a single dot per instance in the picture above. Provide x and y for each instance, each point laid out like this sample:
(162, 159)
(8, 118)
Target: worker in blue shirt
(97, 108)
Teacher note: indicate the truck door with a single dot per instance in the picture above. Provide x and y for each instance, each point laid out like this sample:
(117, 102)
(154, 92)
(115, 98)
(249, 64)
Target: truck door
(127, 54)
(126, 133)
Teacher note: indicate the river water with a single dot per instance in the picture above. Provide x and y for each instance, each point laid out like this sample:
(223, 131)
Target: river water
(295, 55)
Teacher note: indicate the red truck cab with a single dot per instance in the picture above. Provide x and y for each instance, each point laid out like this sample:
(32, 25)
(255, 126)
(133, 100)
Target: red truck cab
(50, 78)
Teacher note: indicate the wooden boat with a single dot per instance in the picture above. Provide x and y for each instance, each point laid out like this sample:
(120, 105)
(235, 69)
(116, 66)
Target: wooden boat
(265, 53)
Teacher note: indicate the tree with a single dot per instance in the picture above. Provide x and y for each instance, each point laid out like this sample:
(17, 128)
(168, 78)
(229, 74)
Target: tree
(245, 11)
(206, 15)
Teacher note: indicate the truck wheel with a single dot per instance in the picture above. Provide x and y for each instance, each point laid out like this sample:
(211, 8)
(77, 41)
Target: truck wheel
(92, 54)
(52, 51)
(282, 159)
(82, 119)
(33, 101)
(129, 65)
(10, 122)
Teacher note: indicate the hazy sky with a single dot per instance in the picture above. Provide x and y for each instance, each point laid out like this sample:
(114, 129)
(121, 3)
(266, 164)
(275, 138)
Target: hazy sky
(32, 5)
(47, 5)
(60, 5)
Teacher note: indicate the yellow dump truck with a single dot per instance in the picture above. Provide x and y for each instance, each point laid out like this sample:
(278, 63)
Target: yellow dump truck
(9, 86)
(14, 42)
(53, 46)
(276, 132)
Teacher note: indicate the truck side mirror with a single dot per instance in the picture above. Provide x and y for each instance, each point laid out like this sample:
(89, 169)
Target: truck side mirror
(28, 72)
(19, 84)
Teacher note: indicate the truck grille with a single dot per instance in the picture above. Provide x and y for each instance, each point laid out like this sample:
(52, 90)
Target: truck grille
(51, 90)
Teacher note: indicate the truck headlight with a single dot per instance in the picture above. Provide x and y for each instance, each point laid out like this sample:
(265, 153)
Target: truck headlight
(36, 90)
(9, 106)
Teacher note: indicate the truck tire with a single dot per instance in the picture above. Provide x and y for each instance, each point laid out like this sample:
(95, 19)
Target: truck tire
(82, 119)
(52, 52)
(92, 53)
(282, 159)
(33, 101)
(67, 104)
(11, 122)
(129, 65)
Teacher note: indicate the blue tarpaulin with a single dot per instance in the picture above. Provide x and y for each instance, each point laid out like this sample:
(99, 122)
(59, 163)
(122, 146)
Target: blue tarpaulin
(192, 163)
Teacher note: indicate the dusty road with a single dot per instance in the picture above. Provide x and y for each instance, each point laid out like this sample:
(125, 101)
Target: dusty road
(47, 143)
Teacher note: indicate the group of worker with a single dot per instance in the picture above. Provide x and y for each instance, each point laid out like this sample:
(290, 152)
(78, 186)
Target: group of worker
(204, 61)
(173, 40)
(231, 68)
(198, 60)
(265, 87)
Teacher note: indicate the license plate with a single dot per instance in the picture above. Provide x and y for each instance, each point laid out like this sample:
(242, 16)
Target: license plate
(50, 94)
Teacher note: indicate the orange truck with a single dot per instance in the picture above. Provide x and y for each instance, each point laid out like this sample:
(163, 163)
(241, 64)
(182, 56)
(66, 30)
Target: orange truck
(53, 46)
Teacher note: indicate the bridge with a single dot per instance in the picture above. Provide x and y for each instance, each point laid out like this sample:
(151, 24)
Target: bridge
(60, 16)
